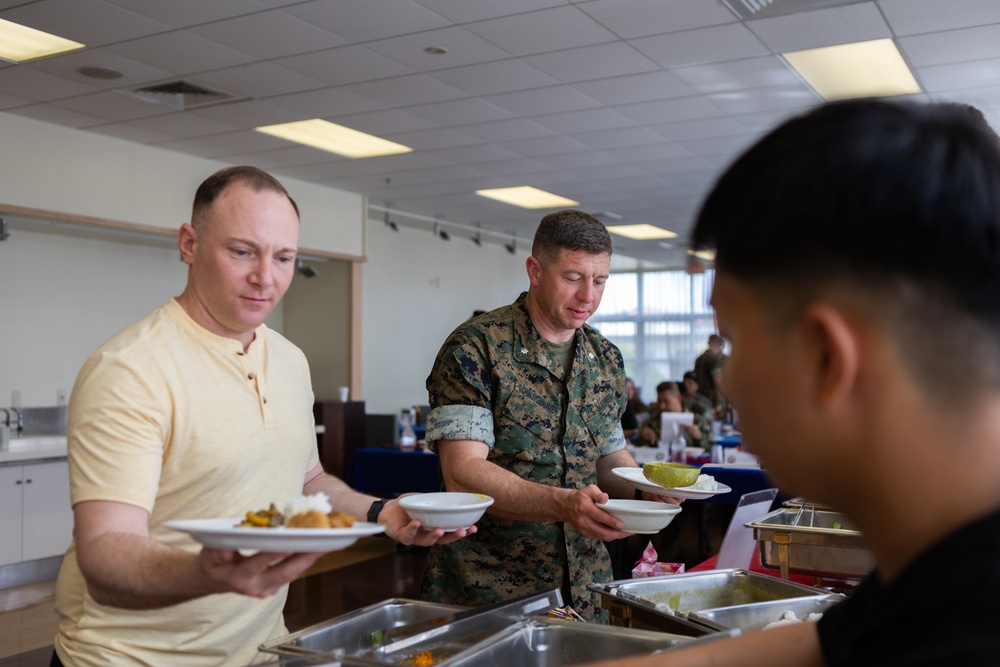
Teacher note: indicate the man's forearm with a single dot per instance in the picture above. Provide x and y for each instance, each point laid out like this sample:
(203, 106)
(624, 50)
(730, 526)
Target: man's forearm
(342, 497)
(134, 572)
(513, 497)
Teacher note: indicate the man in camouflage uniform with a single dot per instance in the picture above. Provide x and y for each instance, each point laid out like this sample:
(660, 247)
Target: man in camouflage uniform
(708, 367)
(526, 403)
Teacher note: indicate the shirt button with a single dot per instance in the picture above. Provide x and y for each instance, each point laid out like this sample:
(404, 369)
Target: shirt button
(250, 376)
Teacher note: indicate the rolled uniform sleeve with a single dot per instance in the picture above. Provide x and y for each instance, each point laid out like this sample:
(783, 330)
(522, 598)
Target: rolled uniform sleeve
(460, 392)
(615, 442)
(460, 422)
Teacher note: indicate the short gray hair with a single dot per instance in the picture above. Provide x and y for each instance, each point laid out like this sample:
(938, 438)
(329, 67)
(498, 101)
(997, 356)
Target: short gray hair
(572, 230)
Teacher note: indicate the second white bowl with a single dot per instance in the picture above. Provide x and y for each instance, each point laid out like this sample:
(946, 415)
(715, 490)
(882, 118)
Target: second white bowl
(642, 516)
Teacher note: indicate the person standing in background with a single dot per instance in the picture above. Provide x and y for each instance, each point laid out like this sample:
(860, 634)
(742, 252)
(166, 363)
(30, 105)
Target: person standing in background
(708, 368)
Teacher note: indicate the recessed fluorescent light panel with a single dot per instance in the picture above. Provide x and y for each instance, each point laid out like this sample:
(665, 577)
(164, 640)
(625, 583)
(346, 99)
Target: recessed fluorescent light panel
(861, 69)
(707, 255)
(327, 136)
(19, 43)
(526, 196)
(642, 232)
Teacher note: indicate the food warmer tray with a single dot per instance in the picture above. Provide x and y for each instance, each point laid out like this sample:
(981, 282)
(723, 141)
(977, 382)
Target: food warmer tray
(357, 631)
(755, 616)
(810, 541)
(667, 603)
(549, 642)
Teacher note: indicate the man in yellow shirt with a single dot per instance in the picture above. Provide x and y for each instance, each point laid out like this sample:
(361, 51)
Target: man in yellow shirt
(197, 410)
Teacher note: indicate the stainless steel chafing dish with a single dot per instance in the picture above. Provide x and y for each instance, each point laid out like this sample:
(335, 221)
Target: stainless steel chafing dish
(668, 603)
(547, 642)
(804, 539)
(755, 616)
(358, 631)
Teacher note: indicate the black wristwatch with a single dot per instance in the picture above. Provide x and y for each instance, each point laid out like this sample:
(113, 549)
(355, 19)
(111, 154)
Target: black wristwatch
(375, 510)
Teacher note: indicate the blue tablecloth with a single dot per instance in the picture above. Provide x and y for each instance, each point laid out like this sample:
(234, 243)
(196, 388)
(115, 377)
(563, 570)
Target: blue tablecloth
(389, 472)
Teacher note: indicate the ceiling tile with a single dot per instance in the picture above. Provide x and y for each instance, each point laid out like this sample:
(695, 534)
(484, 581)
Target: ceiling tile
(506, 130)
(57, 115)
(822, 27)
(738, 75)
(910, 17)
(593, 62)
(270, 34)
(406, 90)
(537, 101)
(355, 20)
(465, 11)
(39, 86)
(464, 48)
(422, 140)
(959, 76)
(460, 112)
(764, 99)
(496, 77)
(639, 18)
(544, 30)
(614, 138)
(585, 120)
(247, 113)
(90, 22)
(703, 45)
(134, 73)
(658, 150)
(346, 64)
(952, 46)
(112, 106)
(384, 121)
(184, 13)
(678, 109)
(181, 53)
(581, 159)
(129, 132)
(181, 125)
(261, 79)
(635, 88)
(540, 146)
(699, 129)
(326, 103)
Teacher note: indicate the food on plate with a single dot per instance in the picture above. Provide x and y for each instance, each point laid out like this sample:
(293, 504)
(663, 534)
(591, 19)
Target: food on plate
(312, 511)
(669, 475)
(422, 659)
(789, 617)
(705, 483)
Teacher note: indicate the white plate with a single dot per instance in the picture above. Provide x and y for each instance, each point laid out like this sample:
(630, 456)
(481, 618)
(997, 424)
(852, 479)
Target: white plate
(635, 477)
(223, 534)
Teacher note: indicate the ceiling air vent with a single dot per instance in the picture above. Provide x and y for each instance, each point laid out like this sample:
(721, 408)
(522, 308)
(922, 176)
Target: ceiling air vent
(756, 9)
(180, 95)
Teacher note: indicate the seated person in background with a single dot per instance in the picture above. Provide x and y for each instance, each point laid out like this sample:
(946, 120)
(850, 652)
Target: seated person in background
(693, 400)
(630, 422)
(857, 273)
(668, 399)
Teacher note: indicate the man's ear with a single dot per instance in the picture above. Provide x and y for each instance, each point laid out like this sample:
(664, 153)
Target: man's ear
(833, 351)
(187, 239)
(534, 268)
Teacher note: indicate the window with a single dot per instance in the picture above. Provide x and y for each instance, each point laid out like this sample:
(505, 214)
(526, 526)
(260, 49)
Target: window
(660, 320)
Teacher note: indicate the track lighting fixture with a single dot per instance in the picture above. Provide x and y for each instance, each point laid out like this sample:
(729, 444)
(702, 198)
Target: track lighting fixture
(512, 246)
(305, 270)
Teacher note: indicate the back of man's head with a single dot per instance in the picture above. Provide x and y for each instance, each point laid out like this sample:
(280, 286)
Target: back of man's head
(895, 204)
(570, 230)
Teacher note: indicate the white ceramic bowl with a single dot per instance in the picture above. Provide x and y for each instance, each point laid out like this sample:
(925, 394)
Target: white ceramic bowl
(448, 510)
(642, 516)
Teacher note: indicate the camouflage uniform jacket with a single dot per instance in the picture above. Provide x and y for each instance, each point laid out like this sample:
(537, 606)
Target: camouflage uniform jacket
(494, 381)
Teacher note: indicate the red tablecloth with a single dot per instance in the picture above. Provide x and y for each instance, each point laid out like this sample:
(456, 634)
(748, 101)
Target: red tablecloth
(755, 567)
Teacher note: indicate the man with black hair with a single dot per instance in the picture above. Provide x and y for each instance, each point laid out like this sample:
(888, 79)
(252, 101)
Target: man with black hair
(858, 267)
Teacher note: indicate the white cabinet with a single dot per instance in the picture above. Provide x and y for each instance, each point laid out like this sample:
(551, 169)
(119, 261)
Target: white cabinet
(36, 519)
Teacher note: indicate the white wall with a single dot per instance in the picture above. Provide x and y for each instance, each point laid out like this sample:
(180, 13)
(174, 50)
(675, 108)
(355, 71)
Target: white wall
(63, 297)
(416, 289)
(81, 173)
